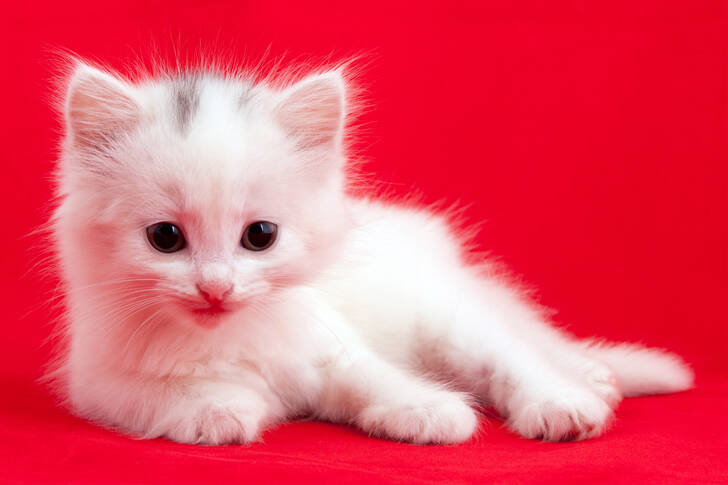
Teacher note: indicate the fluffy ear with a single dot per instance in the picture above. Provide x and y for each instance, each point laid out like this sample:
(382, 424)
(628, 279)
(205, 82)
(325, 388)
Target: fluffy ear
(98, 107)
(313, 110)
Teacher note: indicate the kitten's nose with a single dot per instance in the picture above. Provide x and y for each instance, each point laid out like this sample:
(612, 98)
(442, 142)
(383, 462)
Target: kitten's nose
(214, 293)
(214, 282)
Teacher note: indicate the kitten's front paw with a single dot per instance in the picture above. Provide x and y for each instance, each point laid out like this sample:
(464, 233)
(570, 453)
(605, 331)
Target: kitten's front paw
(213, 424)
(566, 414)
(443, 418)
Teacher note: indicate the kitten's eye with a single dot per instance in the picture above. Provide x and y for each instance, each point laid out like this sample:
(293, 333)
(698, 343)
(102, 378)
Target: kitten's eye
(259, 235)
(165, 237)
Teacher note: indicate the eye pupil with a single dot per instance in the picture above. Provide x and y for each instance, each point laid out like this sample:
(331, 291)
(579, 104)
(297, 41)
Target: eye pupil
(259, 235)
(165, 237)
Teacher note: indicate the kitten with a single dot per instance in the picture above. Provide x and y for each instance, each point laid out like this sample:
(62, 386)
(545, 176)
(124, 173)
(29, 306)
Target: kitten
(220, 279)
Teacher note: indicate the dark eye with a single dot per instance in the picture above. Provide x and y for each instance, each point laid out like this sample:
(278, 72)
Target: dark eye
(165, 237)
(259, 235)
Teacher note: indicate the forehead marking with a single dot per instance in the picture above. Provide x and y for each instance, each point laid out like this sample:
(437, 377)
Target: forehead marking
(186, 100)
(245, 96)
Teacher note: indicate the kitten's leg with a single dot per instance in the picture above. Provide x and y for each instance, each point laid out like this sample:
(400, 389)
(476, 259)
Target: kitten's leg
(358, 386)
(490, 344)
(386, 401)
(563, 352)
(187, 410)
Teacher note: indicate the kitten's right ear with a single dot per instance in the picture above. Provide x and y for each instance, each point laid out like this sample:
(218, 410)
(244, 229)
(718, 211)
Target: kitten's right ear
(98, 107)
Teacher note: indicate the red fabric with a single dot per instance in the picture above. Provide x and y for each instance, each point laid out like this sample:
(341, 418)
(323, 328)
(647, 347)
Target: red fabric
(589, 136)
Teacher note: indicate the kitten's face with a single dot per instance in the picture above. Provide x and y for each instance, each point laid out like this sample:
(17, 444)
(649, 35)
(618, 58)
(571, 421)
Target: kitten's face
(206, 199)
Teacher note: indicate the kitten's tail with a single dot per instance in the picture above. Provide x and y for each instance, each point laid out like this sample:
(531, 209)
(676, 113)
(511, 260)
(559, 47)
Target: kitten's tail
(642, 370)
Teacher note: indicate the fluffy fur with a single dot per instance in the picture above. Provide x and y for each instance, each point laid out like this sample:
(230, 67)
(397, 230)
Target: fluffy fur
(361, 312)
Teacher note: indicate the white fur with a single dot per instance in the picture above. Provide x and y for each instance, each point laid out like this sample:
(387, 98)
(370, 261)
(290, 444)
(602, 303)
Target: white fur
(362, 312)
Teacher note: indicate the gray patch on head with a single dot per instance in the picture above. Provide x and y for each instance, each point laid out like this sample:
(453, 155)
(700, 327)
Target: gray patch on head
(185, 99)
(246, 95)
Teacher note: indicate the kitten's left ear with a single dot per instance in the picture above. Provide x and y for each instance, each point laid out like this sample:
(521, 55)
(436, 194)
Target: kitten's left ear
(98, 107)
(313, 110)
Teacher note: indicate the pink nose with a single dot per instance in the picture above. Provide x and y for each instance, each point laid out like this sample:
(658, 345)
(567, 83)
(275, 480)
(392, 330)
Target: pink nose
(214, 294)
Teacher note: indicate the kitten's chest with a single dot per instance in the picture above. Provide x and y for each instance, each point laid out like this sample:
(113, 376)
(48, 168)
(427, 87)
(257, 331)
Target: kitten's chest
(286, 359)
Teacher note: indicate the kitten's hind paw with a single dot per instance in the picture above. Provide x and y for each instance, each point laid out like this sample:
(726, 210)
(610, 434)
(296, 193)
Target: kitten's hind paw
(602, 381)
(563, 415)
(443, 418)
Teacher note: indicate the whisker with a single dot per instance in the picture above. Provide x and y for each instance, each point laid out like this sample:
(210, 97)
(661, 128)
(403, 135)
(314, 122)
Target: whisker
(145, 323)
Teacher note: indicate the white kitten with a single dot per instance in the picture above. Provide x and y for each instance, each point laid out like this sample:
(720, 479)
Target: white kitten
(220, 280)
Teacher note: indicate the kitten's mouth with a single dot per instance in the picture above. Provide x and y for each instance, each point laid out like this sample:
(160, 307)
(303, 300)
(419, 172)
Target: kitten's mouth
(209, 316)
(210, 310)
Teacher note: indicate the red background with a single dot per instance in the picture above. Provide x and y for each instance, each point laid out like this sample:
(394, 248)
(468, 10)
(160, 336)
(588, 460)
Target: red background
(589, 136)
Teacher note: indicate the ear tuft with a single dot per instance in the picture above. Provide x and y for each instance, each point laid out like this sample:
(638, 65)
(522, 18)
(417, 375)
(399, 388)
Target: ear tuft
(98, 107)
(313, 110)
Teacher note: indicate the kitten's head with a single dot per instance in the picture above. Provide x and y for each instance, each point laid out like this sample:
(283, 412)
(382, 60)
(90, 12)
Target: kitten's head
(198, 194)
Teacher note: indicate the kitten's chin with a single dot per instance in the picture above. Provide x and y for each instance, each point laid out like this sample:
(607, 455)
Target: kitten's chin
(211, 317)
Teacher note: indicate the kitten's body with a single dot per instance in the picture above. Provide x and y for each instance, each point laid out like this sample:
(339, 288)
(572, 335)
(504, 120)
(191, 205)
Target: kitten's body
(361, 312)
